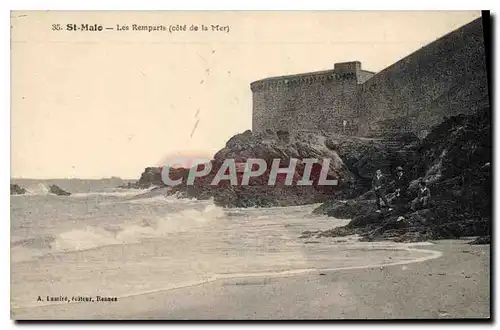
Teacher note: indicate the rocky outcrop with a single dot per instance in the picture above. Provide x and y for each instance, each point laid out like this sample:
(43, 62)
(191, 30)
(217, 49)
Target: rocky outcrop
(258, 193)
(455, 161)
(270, 146)
(54, 189)
(352, 161)
(16, 189)
(150, 177)
(364, 155)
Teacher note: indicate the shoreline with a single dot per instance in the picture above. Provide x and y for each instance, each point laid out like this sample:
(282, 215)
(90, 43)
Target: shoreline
(219, 277)
(463, 281)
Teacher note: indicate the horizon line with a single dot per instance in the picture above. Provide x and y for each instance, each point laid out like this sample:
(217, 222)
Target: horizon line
(74, 178)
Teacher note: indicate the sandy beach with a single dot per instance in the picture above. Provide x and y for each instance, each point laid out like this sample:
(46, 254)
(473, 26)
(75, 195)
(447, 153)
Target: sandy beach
(454, 285)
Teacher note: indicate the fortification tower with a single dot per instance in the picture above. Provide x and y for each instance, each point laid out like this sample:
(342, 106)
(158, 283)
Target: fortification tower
(321, 100)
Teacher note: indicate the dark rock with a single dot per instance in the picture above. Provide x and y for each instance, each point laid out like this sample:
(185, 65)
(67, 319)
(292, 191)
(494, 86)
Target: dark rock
(15, 189)
(454, 161)
(53, 189)
(346, 209)
(150, 177)
(338, 232)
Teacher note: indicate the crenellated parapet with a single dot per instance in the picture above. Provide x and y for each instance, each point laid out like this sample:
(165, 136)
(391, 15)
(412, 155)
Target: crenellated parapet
(321, 99)
(301, 79)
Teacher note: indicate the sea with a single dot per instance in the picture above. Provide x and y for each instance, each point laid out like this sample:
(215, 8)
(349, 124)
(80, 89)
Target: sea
(112, 242)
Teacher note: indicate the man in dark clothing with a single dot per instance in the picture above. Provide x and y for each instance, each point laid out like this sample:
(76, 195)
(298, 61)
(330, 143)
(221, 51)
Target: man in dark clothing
(401, 184)
(379, 184)
(423, 198)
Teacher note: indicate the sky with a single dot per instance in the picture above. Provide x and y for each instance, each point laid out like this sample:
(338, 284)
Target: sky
(93, 104)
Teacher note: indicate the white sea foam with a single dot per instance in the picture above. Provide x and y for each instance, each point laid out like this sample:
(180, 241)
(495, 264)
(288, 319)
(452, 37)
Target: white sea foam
(117, 193)
(37, 189)
(159, 199)
(92, 237)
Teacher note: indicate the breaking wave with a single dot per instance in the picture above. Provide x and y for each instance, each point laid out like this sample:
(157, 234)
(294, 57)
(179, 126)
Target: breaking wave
(159, 199)
(116, 193)
(91, 237)
(38, 189)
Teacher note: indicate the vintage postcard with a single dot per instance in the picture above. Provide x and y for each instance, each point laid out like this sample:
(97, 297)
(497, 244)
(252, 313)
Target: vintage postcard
(250, 165)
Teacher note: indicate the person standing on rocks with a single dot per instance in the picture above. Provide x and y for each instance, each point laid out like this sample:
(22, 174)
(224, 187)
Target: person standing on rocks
(401, 184)
(423, 198)
(379, 184)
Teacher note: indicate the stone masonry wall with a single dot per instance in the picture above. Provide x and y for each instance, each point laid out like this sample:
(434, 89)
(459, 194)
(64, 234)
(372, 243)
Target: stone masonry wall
(444, 78)
(316, 101)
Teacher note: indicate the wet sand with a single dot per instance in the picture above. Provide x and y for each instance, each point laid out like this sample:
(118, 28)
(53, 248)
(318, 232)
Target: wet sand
(455, 285)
